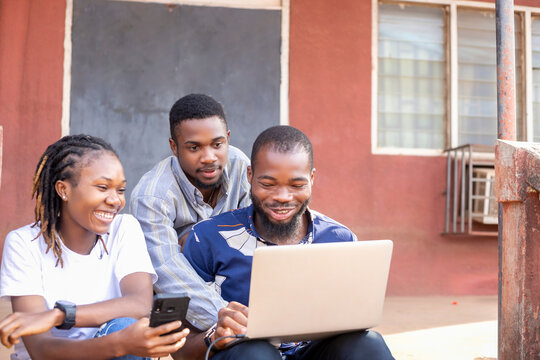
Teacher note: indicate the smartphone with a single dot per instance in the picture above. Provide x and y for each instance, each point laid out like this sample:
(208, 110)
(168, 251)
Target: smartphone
(167, 308)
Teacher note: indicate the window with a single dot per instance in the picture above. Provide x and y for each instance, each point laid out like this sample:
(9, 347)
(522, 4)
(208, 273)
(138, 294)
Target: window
(437, 76)
(477, 77)
(411, 77)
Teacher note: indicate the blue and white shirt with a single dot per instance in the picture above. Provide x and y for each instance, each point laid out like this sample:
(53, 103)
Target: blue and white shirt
(221, 249)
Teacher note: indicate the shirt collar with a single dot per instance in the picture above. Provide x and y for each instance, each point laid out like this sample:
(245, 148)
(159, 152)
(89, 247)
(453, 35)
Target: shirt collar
(308, 239)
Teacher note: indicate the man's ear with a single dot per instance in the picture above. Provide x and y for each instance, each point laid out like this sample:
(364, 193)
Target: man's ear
(228, 136)
(312, 177)
(172, 144)
(249, 174)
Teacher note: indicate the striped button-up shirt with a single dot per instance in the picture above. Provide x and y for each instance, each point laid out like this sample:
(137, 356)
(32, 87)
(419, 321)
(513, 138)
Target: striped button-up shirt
(167, 205)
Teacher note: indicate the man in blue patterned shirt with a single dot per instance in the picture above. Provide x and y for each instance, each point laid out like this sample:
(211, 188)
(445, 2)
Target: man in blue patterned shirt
(221, 251)
(204, 177)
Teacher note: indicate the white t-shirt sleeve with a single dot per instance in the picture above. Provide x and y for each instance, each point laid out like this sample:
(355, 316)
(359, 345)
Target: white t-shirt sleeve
(132, 252)
(20, 273)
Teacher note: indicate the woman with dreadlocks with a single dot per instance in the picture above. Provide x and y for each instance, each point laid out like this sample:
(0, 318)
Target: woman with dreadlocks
(81, 265)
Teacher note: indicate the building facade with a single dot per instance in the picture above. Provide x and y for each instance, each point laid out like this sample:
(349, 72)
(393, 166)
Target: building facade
(381, 88)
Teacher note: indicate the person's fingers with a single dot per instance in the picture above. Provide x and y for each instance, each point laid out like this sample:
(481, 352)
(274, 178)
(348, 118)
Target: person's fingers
(16, 334)
(7, 320)
(168, 327)
(4, 338)
(159, 330)
(239, 314)
(6, 333)
(14, 340)
(235, 312)
(165, 350)
(174, 337)
(179, 344)
(238, 307)
(234, 320)
(8, 340)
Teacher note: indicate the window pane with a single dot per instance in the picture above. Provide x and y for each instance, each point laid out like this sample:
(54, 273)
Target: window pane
(536, 77)
(411, 79)
(477, 76)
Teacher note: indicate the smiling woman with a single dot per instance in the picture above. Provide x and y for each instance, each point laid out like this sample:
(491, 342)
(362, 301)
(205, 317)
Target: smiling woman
(81, 265)
(89, 207)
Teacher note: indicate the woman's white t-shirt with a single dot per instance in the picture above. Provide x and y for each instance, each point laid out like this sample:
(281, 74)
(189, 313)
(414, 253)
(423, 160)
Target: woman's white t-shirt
(27, 269)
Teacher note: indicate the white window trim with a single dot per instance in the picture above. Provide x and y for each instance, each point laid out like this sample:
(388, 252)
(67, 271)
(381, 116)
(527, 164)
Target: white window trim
(452, 83)
(528, 75)
(283, 5)
(375, 76)
(285, 46)
(453, 78)
(241, 4)
(66, 88)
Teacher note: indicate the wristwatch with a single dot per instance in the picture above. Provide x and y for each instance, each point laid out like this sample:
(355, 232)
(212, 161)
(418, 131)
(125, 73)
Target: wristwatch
(208, 336)
(69, 309)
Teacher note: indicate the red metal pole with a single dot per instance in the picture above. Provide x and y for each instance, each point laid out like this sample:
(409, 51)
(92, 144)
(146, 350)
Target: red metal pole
(506, 94)
(506, 122)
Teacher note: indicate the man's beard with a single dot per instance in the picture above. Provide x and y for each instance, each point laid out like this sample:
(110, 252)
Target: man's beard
(200, 185)
(278, 230)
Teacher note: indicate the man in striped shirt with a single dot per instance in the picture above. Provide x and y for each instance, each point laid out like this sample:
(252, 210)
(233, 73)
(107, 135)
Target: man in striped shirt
(204, 177)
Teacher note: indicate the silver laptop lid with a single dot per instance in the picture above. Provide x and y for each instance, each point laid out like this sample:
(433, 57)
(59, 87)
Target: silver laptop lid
(303, 292)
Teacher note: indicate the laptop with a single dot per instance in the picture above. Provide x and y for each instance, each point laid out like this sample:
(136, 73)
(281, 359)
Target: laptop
(308, 292)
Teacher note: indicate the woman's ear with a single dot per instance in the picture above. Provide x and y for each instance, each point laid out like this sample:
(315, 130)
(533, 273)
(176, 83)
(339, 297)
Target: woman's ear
(62, 189)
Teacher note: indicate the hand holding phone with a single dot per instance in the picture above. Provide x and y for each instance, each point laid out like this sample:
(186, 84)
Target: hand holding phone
(167, 308)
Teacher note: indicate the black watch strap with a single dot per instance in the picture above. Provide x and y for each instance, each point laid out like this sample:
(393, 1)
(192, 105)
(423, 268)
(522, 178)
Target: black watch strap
(69, 309)
(208, 335)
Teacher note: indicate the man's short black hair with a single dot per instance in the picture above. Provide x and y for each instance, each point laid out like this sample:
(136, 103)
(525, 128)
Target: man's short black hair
(282, 139)
(194, 106)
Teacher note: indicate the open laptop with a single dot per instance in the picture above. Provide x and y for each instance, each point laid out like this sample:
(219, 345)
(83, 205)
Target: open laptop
(306, 292)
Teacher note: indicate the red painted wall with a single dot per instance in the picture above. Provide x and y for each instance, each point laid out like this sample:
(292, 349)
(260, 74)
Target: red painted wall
(377, 196)
(31, 72)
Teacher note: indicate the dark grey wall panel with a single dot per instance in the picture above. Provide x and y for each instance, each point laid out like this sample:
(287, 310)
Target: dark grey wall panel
(131, 61)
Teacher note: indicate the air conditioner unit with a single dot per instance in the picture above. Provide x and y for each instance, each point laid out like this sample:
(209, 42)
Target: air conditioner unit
(484, 202)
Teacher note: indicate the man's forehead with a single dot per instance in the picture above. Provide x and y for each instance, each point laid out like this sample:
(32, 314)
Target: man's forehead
(268, 158)
(199, 127)
(270, 150)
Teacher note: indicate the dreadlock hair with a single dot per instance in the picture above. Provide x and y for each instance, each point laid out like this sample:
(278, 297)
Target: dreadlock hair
(61, 161)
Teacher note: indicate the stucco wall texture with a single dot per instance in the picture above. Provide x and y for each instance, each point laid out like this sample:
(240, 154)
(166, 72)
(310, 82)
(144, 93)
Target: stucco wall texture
(31, 76)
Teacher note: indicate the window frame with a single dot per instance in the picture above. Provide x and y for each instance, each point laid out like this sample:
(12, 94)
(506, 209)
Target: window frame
(450, 7)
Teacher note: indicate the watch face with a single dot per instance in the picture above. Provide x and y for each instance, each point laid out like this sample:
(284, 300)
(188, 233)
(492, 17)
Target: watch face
(65, 303)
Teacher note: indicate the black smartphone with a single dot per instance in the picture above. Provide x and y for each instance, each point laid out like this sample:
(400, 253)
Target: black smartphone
(167, 308)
